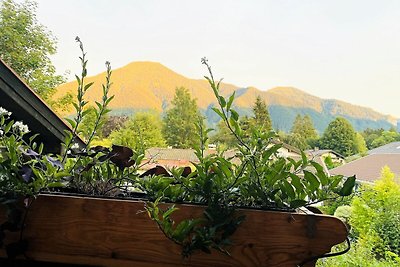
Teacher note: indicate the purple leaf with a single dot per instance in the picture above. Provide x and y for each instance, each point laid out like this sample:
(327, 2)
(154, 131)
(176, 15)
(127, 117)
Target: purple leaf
(54, 162)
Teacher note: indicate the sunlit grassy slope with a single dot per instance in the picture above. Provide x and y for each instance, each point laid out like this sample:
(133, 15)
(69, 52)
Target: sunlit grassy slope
(150, 85)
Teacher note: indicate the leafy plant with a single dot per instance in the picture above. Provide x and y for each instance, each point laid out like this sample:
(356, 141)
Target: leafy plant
(25, 172)
(262, 178)
(21, 174)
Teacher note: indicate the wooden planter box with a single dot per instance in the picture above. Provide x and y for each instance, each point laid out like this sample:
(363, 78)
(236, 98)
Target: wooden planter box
(108, 232)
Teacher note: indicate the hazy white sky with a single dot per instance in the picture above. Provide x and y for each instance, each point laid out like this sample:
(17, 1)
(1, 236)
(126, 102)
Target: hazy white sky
(342, 49)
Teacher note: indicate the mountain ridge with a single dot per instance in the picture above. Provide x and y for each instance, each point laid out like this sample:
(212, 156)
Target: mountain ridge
(144, 85)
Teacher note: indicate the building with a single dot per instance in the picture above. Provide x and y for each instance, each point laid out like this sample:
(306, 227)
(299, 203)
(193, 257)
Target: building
(28, 107)
(368, 168)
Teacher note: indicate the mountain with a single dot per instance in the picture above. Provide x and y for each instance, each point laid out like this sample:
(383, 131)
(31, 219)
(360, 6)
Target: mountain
(150, 85)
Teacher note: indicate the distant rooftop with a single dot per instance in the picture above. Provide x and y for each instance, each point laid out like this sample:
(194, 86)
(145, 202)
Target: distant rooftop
(369, 168)
(391, 148)
(320, 152)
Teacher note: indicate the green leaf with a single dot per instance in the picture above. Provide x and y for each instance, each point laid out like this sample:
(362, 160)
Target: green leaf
(348, 186)
(320, 173)
(71, 122)
(55, 184)
(8, 126)
(218, 112)
(313, 181)
(222, 101)
(169, 211)
(109, 99)
(230, 101)
(234, 114)
(297, 203)
(304, 158)
(289, 189)
(78, 79)
(296, 182)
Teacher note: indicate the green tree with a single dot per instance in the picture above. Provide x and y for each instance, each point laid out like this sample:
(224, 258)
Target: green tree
(340, 137)
(359, 144)
(370, 135)
(376, 214)
(261, 115)
(140, 132)
(375, 226)
(386, 137)
(303, 134)
(179, 123)
(223, 137)
(88, 124)
(25, 45)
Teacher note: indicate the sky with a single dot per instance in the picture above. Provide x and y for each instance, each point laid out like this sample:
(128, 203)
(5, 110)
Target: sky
(341, 49)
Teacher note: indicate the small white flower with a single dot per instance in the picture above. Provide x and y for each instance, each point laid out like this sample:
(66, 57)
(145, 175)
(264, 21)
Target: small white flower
(75, 146)
(21, 127)
(4, 112)
(1, 132)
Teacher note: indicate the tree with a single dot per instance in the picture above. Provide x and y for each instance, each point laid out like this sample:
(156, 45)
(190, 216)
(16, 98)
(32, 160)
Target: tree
(359, 144)
(261, 115)
(179, 123)
(386, 137)
(340, 137)
(25, 45)
(140, 132)
(223, 137)
(303, 134)
(370, 135)
(376, 214)
(374, 219)
(88, 124)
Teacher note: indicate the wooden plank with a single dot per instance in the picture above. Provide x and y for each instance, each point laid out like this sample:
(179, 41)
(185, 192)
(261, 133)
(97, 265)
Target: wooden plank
(104, 232)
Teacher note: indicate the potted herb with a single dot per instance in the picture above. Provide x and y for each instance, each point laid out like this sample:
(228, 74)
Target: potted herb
(220, 214)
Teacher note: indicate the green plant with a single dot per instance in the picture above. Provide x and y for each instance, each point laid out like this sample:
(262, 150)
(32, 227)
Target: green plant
(25, 172)
(376, 213)
(261, 179)
(96, 170)
(21, 174)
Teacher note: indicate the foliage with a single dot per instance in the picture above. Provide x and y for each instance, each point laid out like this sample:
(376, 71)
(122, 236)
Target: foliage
(374, 220)
(386, 137)
(88, 123)
(330, 164)
(360, 255)
(21, 173)
(339, 136)
(261, 179)
(113, 123)
(261, 115)
(179, 123)
(359, 144)
(140, 132)
(24, 171)
(260, 120)
(370, 135)
(303, 134)
(26, 46)
(376, 212)
(343, 212)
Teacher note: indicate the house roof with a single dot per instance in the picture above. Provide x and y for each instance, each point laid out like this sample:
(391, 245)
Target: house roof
(27, 106)
(391, 148)
(320, 152)
(171, 154)
(369, 167)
